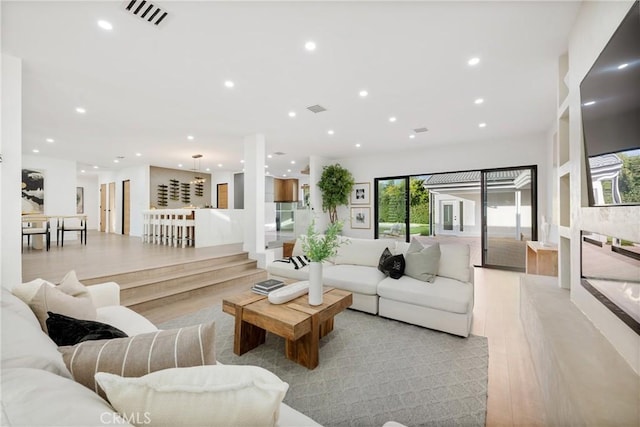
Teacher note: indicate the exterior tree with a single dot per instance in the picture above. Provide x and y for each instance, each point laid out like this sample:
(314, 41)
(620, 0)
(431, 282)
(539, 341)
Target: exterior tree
(630, 179)
(335, 184)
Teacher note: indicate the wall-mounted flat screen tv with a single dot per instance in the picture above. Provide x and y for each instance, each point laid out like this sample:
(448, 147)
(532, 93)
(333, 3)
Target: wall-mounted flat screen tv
(610, 96)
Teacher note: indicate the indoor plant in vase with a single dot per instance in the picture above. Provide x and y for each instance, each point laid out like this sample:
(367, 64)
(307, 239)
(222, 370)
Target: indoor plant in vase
(319, 248)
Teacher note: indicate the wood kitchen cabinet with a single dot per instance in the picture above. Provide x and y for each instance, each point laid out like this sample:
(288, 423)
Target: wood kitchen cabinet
(285, 190)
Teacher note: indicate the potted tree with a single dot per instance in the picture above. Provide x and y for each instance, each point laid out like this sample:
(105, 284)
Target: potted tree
(335, 184)
(319, 248)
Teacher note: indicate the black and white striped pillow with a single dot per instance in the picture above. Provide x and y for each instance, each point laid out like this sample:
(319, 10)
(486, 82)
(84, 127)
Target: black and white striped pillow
(297, 261)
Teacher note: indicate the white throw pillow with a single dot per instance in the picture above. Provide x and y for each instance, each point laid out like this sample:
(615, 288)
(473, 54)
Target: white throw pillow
(454, 261)
(26, 291)
(217, 395)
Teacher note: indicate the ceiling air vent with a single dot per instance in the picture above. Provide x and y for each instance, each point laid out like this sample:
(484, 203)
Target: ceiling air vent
(147, 11)
(316, 109)
(279, 153)
(419, 130)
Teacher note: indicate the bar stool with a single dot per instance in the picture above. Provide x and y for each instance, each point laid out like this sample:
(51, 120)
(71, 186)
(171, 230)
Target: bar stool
(184, 229)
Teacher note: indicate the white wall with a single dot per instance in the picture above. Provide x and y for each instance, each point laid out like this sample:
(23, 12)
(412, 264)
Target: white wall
(516, 151)
(139, 186)
(59, 187)
(10, 171)
(594, 26)
(91, 187)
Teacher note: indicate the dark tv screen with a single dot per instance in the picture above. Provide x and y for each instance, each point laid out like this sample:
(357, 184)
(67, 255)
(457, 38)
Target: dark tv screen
(610, 96)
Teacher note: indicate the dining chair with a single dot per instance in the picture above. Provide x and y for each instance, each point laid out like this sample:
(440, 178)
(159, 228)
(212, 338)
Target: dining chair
(34, 226)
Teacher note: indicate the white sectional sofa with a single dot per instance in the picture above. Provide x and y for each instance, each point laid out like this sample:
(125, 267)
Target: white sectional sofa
(445, 305)
(37, 387)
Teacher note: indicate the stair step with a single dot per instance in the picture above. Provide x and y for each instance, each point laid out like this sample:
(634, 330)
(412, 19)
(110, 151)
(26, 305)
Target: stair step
(162, 290)
(166, 269)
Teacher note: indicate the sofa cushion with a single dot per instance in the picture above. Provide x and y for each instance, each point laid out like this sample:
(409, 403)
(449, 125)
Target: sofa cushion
(70, 298)
(33, 397)
(353, 278)
(454, 261)
(385, 255)
(422, 262)
(285, 269)
(10, 301)
(362, 251)
(443, 294)
(65, 330)
(25, 345)
(26, 291)
(223, 395)
(125, 319)
(141, 354)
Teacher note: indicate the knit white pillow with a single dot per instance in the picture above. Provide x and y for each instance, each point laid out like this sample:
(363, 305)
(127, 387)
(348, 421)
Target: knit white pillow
(217, 395)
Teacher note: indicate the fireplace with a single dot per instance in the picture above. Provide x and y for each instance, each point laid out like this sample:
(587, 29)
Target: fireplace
(610, 271)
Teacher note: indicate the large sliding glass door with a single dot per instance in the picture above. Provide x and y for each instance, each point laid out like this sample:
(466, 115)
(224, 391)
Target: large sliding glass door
(493, 211)
(508, 220)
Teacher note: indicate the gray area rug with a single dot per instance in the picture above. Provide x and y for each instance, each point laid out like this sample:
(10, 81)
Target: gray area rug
(372, 370)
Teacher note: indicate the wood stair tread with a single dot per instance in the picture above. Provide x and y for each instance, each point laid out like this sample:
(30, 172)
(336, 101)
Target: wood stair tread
(185, 273)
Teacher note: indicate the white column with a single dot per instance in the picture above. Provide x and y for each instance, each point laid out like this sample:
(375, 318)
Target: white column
(11, 171)
(315, 195)
(254, 231)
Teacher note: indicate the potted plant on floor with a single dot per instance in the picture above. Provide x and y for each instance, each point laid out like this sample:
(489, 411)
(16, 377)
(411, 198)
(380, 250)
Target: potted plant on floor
(335, 184)
(319, 248)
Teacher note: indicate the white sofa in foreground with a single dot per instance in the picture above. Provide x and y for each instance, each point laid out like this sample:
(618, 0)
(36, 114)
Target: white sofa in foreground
(37, 387)
(446, 304)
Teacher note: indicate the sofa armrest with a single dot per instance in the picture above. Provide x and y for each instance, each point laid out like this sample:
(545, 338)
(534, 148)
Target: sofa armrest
(105, 294)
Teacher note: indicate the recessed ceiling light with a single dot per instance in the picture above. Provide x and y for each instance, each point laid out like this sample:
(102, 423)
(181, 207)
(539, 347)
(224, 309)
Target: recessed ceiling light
(330, 132)
(82, 171)
(412, 136)
(116, 161)
(482, 125)
(105, 25)
(358, 145)
(586, 104)
(266, 166)
(50, 140)
(242, 161)
(474, 61)
(621, 66)
(284, 174)
(179, 165)
(219, 165)
(190, 137)
(80, 110)
(293, 162)
(478, 101)
(207, 169)
(95, 166)
(288, 170)
(292, 113)
(392, 119)
(310, 46)
(35, 150)
(138, 154)
(363, 93)
(269, 156)
(229, 84)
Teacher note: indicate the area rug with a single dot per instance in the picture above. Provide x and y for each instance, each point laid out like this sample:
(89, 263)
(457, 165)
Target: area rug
(372, 370)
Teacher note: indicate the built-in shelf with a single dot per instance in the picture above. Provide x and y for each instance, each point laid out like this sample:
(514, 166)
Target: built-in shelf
(563, 78)
(564, 169)
(564, 232)
(563, 138)
(564, 262)
(565, 200)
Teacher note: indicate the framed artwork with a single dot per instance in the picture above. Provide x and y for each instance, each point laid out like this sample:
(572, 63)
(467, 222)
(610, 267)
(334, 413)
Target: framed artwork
(361, 193)
(32, 191)
(80, 200)
(361, 218)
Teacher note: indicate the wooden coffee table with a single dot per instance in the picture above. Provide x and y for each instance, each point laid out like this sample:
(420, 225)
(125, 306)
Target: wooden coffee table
(300, 324)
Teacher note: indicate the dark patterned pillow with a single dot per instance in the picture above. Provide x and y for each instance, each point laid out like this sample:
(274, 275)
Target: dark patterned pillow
(386, 254)
(65, 330)
(394, 266)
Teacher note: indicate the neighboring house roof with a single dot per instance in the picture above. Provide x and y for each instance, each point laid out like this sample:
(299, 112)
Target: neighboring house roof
(604, 161)
(470, 176)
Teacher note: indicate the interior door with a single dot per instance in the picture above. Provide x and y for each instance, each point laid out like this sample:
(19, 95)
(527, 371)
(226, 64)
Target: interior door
(111, 209)
(509, 216)
(126, 207)
(103, 207)
(222, 196)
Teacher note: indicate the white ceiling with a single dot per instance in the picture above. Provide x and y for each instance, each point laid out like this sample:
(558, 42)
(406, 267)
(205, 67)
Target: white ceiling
(146, 88)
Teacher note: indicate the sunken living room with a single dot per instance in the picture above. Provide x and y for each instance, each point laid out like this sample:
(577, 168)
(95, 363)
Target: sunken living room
(369, 213)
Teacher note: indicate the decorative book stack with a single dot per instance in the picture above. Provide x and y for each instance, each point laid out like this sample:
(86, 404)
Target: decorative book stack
(266, 286)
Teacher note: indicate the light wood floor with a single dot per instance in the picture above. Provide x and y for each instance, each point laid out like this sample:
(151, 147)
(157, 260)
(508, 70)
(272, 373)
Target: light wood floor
(514, 397)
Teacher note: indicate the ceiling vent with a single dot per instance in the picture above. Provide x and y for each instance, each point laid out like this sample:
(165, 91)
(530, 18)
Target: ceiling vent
(147, 11)
(420, 130)
(279, 153)
(316, 109)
